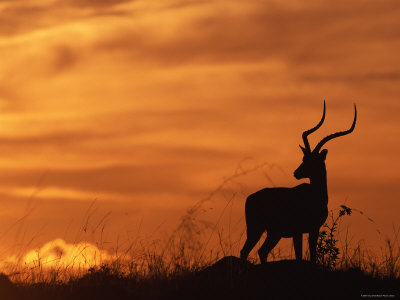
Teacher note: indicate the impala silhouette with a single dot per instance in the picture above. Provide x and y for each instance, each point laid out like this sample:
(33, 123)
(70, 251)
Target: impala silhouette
(290, 212)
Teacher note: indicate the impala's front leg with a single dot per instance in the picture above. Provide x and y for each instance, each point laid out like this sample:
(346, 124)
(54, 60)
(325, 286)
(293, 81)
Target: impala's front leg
(312, 244)
(298, 245)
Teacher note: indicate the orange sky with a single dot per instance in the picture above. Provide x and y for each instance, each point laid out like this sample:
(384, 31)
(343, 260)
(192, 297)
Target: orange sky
(145, 106)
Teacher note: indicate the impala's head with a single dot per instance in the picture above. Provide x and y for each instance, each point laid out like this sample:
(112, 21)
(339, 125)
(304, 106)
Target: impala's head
(313, 164)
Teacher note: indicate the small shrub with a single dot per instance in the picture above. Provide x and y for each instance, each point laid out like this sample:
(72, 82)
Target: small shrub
(327, 251)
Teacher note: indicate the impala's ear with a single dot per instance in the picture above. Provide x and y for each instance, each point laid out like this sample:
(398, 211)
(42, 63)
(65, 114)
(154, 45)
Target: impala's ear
(303, 149)
(323, 153)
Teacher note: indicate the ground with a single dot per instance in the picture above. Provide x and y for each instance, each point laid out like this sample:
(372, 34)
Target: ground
(229, 278)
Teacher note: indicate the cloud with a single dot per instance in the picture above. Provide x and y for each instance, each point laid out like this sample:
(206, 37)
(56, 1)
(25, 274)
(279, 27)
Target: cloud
(60, 254)
(127, 180)
(61, 139)
(64, 58)
(15, 18)
(94, 3)
(257, 32)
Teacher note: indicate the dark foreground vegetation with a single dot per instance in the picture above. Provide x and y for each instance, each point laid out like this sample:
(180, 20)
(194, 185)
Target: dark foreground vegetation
(229, 278)
(179, 267)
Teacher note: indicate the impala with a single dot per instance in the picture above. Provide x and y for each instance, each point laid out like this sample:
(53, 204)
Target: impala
(290, 212)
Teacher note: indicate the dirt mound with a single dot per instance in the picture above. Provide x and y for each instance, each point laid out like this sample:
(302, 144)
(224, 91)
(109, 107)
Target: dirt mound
(289, 279)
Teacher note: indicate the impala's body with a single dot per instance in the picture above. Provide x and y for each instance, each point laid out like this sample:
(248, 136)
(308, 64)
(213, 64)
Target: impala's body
(290, 212)
(286, 211)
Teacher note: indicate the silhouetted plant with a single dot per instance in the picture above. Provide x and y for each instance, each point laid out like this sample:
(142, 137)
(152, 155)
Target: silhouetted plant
(327, 251)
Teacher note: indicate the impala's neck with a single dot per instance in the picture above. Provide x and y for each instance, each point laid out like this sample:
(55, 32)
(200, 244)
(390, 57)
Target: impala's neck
(319, 184)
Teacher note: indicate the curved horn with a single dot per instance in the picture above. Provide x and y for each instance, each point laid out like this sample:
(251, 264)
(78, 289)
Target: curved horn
(337, 134)
(308, 132)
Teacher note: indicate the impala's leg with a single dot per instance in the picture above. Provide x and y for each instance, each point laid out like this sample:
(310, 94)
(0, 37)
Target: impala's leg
(312, 244)
(269, 244)
(298, 246)
(253, 235)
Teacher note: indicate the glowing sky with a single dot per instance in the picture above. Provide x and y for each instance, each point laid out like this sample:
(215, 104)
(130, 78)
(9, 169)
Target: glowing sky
(146, 105)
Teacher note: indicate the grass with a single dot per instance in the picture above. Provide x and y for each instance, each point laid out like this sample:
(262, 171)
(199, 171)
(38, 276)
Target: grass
(180, 269)
(187, 264)
(178, 278)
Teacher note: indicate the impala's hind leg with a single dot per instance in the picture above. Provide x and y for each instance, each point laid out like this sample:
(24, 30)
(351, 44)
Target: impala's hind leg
(269, 244)
(253, 235)
(298, 246)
